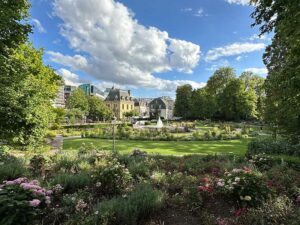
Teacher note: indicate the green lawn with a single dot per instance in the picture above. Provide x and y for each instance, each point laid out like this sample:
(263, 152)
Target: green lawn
(165, 147)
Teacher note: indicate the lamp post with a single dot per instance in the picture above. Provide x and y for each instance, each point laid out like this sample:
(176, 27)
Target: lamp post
(114, 135)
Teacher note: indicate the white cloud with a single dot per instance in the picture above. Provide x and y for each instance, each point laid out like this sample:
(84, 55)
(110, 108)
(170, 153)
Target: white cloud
(38, 25)
(261, 71)
(76, 62)
(239, 2)
(199, 13)
(69, 77)
(217, 64)
(239, 58)
(257, 37)
(233, 49)
(118, 49)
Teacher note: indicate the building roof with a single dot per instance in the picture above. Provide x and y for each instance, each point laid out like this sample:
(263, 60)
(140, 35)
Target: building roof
(116, 94)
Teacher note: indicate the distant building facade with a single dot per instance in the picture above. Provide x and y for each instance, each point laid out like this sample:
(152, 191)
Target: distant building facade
(59, 101)
(120, 102)
(162, 107)
(92, 90)
(141, 105)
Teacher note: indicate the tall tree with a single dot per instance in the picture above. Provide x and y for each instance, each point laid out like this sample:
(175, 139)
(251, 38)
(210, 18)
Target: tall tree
(202, 105)
(98, 109)
(13, 30)
(218, 81)
(255, 83)
(282, 58)
(236, 102)
(27, 88)
(183, 101)
(78, 100)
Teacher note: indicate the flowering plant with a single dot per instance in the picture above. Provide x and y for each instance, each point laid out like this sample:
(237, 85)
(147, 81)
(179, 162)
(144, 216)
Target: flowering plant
(244, 185)
(22, 201)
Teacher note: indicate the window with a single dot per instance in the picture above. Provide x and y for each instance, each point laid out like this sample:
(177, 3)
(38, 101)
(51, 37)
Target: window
(127, 106)
(131, 107)
(122, 106)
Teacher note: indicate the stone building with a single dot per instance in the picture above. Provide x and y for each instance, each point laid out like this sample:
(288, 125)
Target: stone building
(162, 107)
(120, 102)
(141, 105)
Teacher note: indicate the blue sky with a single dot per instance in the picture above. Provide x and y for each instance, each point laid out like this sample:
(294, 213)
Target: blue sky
(148, 46)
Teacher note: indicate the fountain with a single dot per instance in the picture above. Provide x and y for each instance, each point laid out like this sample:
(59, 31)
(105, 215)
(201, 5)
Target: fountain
(159, 123)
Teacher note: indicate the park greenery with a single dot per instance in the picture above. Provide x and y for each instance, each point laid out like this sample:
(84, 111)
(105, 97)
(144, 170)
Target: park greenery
(232, 159)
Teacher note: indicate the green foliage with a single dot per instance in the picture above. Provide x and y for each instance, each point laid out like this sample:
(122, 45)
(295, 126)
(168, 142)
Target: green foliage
(79, 101)
(139, 204)
(282, 58)
(236, 102)
(98, 109)
(13, 30)
(183, 101)
(27, 87)
(72, 182)
(21, 202)
(37, 164)
(219, 80)
(271, 146)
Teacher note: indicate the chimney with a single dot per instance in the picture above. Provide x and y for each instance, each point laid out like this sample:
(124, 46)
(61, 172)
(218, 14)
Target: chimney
(129, 92)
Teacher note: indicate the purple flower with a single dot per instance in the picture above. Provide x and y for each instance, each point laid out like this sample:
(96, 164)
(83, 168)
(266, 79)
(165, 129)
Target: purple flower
(10, 183)
(34, 202)
(34, 182)
(49, 192)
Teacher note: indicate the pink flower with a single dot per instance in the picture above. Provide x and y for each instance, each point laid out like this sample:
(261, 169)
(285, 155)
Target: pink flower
(10, 183)
(34, 202)
(48, 200)
(49, 192)
(205, 180)
(34, 182)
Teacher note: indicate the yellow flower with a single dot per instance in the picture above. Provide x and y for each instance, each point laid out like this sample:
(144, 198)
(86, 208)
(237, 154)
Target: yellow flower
(247, 198)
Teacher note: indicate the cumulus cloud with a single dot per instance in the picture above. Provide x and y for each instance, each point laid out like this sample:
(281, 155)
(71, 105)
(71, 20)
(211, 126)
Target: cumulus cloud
(69, 77)
(117, 48)
(239, 2)
(36, 23)
(260, 71)
(233, 49)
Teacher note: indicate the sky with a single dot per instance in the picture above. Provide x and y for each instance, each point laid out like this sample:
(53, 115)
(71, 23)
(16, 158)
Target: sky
(150, 47)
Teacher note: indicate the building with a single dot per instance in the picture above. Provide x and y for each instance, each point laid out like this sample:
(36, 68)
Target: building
(141, 105)
(120, 102)
(92, 90)
(68, 89)
(59, 101)
(162, 107)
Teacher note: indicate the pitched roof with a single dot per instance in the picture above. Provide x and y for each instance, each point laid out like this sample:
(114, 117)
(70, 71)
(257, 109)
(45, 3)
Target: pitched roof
(118, 94)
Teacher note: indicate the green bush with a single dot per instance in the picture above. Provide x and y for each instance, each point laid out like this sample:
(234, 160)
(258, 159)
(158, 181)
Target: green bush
(138, 168)
(72, 182)
(12, 170)
(139, 204)
(271, 146)
(37, 164)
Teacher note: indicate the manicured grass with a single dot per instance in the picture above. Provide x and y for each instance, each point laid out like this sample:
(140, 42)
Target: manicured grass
(237, 147)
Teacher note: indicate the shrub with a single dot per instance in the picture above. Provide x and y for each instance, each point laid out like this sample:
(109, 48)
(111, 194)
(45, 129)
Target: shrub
(138, 168)
(273, 212)
(22, 202)
(242, 185)
(140, 203)
(72, 182)
(112, 175)
(271, 146)
(12, 170)
(37, 164)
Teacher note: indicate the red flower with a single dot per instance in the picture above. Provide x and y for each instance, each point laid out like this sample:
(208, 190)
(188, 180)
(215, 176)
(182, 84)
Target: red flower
(204, 180)
(240, 211)
(205, 188)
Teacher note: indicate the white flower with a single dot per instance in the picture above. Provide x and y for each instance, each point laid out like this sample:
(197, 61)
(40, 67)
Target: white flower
(220, 184)
(96, 213)
(237, 179)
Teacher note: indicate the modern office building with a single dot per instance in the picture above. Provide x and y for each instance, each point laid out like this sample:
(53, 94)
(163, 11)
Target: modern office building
(68, 89)
(92, 90)
(59, 101)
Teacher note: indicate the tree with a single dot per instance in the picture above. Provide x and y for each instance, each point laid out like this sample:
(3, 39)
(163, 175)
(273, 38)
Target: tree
(131, 113)
(255, 83)
(236, 102)
(203, 106)
(183, 101)
(98, 109)
(218, 81)
(27, 89)
(282, 59)
(78, 100)
(13, 30)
